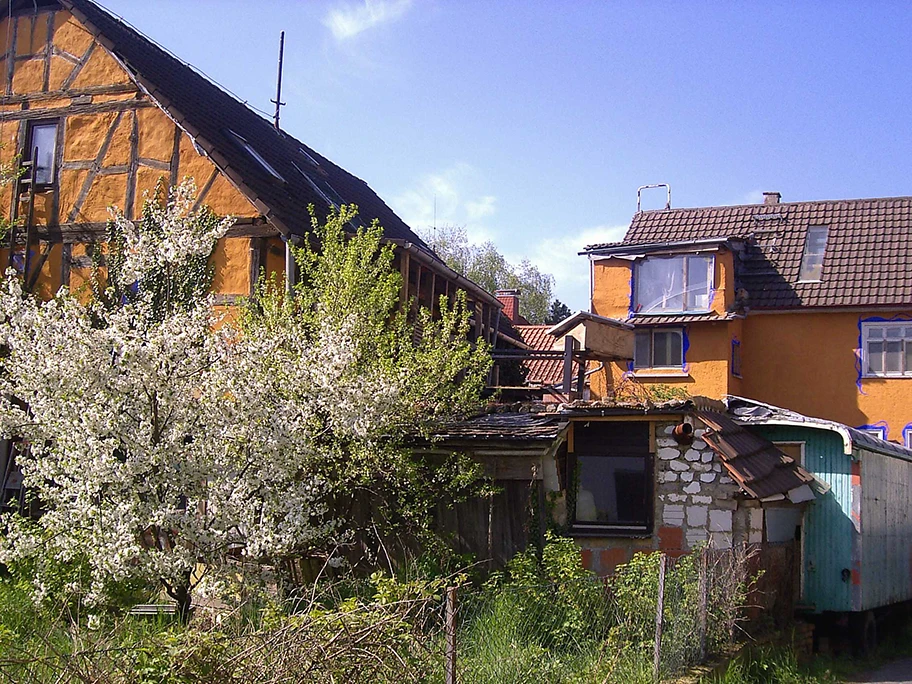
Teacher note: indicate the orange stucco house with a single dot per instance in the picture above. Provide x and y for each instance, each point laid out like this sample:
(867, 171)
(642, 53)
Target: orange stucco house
(110, 113)
(800, 304)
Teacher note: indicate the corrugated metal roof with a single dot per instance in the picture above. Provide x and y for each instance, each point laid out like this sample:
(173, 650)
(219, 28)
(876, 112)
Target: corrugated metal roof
(760, 468)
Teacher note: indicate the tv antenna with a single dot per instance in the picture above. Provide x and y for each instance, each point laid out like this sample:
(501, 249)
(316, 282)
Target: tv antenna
(278, 101)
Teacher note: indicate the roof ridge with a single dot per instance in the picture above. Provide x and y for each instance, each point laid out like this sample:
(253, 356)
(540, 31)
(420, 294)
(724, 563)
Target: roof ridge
(773, 206)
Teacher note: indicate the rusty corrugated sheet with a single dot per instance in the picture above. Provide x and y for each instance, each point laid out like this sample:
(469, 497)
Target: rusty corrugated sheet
(753, 462)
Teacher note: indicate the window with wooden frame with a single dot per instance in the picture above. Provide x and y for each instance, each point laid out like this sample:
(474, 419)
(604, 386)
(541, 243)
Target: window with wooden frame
(659, 348)
(887, 349)
(610, 472)
(41, 150)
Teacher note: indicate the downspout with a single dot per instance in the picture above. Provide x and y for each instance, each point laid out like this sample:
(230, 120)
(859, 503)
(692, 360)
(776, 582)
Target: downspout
(290, 266)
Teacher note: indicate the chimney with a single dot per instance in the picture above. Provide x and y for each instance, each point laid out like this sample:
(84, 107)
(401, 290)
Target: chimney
(771, 197)
(510, 301)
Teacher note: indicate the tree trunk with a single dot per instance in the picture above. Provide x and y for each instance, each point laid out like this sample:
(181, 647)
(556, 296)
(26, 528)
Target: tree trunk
(182, 597)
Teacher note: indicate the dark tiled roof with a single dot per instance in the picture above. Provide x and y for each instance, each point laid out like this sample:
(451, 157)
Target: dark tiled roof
(754, 463)
(505, 426)
(541, 371)
(867, 259)
(209, 115)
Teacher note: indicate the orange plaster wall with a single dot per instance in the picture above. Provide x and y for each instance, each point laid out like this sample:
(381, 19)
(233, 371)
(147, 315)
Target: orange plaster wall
(707, 370)
(231, 260)
(806, 362)
(611, 287)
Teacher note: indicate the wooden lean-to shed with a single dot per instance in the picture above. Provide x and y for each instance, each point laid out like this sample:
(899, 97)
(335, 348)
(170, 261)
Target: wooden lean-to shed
(857, 534)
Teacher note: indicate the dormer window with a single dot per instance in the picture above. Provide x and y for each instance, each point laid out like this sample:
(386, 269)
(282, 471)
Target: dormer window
(812, 259)
(247, 147)
(674, 284)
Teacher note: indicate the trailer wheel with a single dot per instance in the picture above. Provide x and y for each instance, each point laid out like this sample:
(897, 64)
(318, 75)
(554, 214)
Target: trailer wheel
(864, 633)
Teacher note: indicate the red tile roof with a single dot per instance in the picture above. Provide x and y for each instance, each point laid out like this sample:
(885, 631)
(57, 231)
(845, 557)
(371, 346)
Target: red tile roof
(866, 263)
(541, 371)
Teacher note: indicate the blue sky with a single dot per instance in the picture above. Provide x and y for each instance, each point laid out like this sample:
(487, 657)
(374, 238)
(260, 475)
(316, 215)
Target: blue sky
(533, 123)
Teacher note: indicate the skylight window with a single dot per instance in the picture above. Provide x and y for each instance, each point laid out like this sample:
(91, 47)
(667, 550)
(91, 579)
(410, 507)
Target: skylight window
(812, 260)
(246, 146)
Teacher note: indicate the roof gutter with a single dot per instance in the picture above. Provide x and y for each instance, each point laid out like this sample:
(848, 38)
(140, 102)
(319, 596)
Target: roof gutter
(640, 248)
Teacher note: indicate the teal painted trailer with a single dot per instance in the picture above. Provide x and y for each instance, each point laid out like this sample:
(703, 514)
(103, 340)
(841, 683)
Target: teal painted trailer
(857, 533)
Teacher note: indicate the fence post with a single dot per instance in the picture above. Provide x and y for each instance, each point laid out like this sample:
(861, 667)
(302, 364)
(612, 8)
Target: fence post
(660, 609)
(703, 588)
(451, 635)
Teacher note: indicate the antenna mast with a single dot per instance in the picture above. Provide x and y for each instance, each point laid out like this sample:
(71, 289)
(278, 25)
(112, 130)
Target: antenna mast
(278, 101)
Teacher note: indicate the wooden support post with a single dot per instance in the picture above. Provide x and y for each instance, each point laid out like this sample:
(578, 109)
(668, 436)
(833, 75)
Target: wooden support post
(256, 260)
(570, 345)
(703, 589)
(660, 609)
(581, 380)
(451, 635)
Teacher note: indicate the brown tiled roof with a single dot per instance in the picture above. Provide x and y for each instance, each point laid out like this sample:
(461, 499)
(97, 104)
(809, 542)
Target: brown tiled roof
(753, 462)
(867, 259)
(541, 371)
(209, 115)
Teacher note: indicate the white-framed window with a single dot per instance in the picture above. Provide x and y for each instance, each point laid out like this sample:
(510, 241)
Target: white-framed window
(659, 348)
(887, 349)
(673, 284)
(907, 436)
(878, 431)
(812, 259)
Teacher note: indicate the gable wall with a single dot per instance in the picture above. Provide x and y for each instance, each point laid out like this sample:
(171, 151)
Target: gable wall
(114, 146)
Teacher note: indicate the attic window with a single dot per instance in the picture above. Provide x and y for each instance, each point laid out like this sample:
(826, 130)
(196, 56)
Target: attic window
(242, 143)
(308, 156)
(812, 260)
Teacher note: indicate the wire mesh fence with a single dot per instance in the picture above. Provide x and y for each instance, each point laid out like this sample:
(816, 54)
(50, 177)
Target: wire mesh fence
(656, 616)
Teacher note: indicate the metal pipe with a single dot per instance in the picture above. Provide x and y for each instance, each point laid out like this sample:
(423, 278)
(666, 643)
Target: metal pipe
(655, 185)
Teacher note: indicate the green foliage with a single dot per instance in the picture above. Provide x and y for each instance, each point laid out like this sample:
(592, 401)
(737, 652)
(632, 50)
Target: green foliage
(557, 312)
(347, 283)
(170, 284)
(486, 266)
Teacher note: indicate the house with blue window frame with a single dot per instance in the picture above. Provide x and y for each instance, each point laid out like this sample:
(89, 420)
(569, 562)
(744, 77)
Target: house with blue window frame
(799, 304)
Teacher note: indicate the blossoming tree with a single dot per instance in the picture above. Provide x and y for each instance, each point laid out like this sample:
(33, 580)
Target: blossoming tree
(167, 443)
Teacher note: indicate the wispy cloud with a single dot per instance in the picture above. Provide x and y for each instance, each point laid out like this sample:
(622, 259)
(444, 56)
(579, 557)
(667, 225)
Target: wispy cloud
(348, 20)
(559, 256)
(448, 196)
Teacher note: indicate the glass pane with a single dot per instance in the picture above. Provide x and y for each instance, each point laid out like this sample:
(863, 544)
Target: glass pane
(660, 285)
(698, 280)
(893, 357)
(908, 367)
(875, 357)
(894, 333)
(612, 490)
(875, 333)
(811, 267)
(642, 352)
(667, 348)
(44, 137)
(816, 240)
